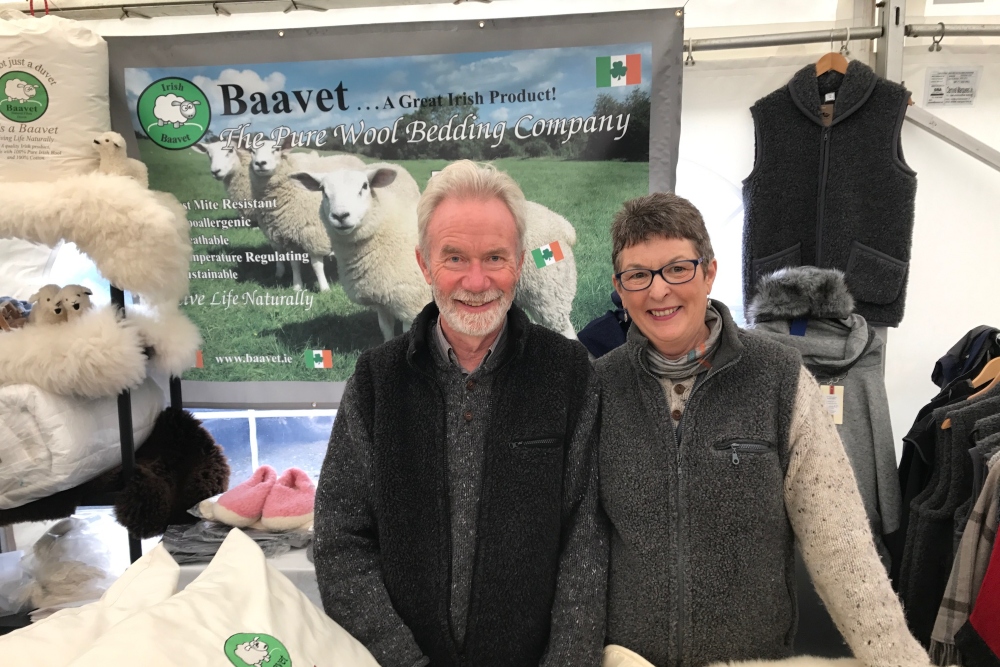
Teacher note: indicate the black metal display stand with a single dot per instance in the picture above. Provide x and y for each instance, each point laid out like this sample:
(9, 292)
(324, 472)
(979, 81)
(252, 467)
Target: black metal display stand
(128, 439)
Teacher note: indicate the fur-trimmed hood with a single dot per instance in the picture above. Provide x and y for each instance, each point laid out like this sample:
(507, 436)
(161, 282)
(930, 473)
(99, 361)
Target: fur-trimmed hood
(834, 338)
(801, 291)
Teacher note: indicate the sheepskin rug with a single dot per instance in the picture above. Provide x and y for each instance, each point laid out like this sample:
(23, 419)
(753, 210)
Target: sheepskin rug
(137, 238)
(98, 354)
(174, 338)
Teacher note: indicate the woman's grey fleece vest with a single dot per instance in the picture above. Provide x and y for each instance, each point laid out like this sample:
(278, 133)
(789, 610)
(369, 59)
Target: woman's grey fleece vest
(831, 189)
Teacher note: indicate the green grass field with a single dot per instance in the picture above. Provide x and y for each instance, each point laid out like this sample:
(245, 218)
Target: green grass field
(586, 193)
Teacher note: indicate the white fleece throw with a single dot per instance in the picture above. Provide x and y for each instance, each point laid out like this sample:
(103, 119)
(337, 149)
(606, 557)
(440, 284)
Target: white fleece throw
(98, 354)
(137, 238)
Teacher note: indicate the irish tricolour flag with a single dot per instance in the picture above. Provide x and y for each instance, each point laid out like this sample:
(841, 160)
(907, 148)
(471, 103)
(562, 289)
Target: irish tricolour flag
(547, 254)
(319, 359)
(619, 70)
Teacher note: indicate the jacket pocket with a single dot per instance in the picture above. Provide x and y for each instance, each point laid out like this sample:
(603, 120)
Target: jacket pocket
(536, 444)
(791, 256)
(873, 276)
(737, 449)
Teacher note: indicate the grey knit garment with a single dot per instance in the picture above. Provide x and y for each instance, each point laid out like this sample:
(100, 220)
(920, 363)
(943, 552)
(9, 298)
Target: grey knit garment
(465, 394)
(693, 362)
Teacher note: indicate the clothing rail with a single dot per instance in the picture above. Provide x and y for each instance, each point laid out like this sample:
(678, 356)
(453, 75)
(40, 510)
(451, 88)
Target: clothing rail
(784, 39)
(953, 30)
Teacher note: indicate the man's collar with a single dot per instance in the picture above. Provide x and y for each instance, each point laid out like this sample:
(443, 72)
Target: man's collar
(448, 351)
(421, 335)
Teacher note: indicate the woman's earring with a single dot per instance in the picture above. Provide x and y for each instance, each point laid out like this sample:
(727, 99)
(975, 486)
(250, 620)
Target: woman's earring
(626, 316)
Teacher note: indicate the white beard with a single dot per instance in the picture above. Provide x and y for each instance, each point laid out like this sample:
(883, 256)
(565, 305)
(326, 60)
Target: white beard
(473, 324)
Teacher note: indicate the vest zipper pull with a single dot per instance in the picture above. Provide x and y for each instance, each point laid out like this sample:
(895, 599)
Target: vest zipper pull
(736, 456)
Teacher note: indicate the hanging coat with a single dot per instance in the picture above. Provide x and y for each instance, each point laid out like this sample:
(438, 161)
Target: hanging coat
(829, 187)
(811, 310)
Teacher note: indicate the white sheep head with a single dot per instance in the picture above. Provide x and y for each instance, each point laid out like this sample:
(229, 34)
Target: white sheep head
(46, 308)
(347, 194)
(266, 157)
(29, 89)
(223, 160)
(187, 107)
(75, 300)
(252, 653)
(110, 145)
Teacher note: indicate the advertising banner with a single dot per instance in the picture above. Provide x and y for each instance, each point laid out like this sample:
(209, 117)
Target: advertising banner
(301, 168)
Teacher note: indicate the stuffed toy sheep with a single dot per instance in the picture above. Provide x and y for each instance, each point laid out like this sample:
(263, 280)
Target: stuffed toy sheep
(74, 300)
(111, 146)
(46, 308)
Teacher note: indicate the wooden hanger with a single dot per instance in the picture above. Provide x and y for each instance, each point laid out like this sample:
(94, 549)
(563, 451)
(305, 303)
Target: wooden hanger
(831, 61)
(993, 383)
(991, 374)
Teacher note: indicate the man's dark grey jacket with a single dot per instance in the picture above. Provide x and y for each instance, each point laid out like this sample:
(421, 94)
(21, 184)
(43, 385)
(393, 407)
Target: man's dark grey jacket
(383, 531)
(702, 565)
(834, 196)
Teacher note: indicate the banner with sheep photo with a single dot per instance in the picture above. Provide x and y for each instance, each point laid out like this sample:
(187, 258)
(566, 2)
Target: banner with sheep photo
(301, 180)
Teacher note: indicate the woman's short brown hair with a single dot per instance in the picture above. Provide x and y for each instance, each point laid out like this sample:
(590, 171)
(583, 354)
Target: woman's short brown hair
(661, 214)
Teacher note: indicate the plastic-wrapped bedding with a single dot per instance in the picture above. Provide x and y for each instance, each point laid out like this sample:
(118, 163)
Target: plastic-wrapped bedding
(51, 443)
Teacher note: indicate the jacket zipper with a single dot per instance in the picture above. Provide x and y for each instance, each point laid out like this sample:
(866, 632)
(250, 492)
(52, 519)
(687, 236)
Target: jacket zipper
(681, 487)
(824, 160)
(746, 447)
(537, 443)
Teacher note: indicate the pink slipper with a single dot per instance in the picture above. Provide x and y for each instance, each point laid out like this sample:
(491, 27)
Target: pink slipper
(290, 504)
(242, 506)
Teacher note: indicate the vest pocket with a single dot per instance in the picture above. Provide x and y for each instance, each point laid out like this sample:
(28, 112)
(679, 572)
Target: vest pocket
(873, 276)
(737, 449)
(791, 256)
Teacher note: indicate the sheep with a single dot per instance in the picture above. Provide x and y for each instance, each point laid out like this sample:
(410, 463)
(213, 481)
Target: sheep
(171, 109)
(292, 224)
(46, 309)
(546, 294)
(75, 300)
(252, 653)
(229, 164)
(111, 147)
(18, 90)
(371, 216)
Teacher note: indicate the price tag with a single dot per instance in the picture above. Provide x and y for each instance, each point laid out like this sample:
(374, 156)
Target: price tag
(833, 398)
(830, 97)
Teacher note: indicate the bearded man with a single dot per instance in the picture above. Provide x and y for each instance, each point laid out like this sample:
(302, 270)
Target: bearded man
(457, 510)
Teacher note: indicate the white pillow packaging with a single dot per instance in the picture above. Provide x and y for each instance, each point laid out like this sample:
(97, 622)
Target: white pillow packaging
(240, 612)
(66, 635)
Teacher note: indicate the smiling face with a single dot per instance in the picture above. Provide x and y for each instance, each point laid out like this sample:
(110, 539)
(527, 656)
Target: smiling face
(473, 262)
(672, 317)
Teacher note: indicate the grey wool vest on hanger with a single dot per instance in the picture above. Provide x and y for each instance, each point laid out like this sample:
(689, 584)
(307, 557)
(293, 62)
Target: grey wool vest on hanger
(830, 188)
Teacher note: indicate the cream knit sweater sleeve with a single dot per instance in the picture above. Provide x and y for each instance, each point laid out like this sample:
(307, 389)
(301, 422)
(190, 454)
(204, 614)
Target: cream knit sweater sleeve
(826, 513)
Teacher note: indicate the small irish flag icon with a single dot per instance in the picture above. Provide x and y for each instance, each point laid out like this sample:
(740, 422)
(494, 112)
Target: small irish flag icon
(619, 70)
(547, 254)
(319, 358)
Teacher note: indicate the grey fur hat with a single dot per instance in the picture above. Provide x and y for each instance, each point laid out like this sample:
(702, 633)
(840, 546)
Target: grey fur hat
(801, 291)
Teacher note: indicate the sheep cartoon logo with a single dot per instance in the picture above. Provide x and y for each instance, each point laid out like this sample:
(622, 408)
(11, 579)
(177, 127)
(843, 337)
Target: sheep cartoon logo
(252, 649)
(24, 98)
(174, 113)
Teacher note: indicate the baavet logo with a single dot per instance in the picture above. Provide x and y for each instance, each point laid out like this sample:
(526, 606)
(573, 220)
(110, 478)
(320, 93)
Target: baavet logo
(174, 113)
(24, 97)
(249, 649)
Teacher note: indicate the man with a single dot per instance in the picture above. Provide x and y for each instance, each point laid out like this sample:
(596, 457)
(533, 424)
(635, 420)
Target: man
(456, 514)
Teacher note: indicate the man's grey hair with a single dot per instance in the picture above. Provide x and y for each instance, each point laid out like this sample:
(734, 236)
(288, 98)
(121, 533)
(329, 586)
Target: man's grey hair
(663, 215)
(465, 179)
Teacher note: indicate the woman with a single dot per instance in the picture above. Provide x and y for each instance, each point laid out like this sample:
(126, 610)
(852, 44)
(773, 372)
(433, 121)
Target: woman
(717, 453)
